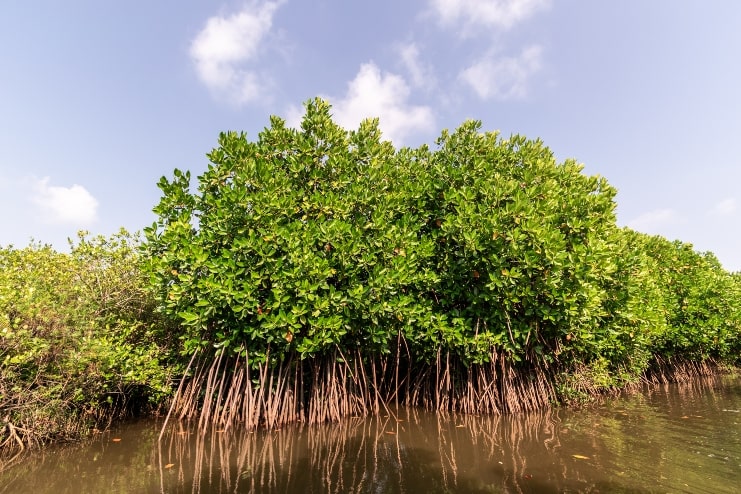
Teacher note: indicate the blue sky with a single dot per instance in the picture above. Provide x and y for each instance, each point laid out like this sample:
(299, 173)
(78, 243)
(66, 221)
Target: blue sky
(100, 99)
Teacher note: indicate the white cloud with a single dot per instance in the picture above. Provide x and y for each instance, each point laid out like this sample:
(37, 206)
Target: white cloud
(64, 205)
(725, 207)
(421, 74)
(375, 94)
(503, 78)
(294, 114)
(653, 221)
(224, 48)
(486, 13)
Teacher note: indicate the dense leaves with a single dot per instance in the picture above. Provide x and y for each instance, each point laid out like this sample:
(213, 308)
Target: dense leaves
(701, 302)
(314, 239)
(79, 340)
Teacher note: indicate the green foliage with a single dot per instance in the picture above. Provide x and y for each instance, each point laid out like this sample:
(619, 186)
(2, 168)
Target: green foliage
(314, 239)
(79, 341)
(520, 245)
(701, 302)
(317, 238)
(301, 242)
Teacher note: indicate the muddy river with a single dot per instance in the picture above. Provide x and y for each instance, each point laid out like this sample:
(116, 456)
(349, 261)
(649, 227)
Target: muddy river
(678, 438)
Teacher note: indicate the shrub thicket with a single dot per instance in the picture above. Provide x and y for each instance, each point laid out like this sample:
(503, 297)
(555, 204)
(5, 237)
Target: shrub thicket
(80, 343)
(463, 277)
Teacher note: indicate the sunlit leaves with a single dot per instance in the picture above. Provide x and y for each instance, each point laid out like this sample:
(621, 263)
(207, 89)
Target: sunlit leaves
(79, 337)
(304, 241)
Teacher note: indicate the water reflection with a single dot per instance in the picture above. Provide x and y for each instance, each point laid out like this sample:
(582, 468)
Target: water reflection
(400, 452)
(674, 438)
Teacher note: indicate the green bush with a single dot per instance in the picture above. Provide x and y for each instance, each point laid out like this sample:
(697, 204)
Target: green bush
(314, 239)
(79, 341)
(701, 302)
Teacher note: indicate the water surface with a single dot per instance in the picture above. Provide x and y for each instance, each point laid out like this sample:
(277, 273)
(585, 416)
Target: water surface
(669, 439)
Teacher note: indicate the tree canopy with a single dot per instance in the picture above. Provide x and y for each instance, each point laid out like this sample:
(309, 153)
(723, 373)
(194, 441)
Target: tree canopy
(312, 239)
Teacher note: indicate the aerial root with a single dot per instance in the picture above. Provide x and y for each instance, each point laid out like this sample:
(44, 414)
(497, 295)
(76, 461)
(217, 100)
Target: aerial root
(222, 391)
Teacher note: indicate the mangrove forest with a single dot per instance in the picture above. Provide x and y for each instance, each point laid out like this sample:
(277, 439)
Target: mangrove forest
(316, 273)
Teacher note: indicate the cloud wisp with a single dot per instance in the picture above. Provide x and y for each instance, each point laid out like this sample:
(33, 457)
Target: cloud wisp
(493, 75)
(487, 14)
(64, 205)
(375, 94)
(503, 78)
(421, 74)
(654, 221)
(224, 49)
(726, 207)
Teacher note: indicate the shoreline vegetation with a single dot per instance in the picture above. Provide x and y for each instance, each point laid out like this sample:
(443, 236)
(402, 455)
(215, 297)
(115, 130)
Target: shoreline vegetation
(319, 273)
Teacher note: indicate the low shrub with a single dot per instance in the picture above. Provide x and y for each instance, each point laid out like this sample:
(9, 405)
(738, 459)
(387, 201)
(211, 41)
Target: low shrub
(80, 342)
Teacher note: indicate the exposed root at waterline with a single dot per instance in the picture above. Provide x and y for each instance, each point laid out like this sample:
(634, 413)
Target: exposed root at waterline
(492, 388)
(678, 370)
(225, 391)
(12, 445)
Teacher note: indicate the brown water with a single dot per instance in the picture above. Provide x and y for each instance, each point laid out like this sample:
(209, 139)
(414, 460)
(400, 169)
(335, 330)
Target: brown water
(671, 439)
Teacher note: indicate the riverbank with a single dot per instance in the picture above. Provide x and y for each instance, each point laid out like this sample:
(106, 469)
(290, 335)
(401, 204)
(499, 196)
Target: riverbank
(81, 345)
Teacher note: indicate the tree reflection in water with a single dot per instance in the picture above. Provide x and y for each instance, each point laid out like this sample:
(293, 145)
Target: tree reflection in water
(622, 445)
(409, 451)
(675, 438)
